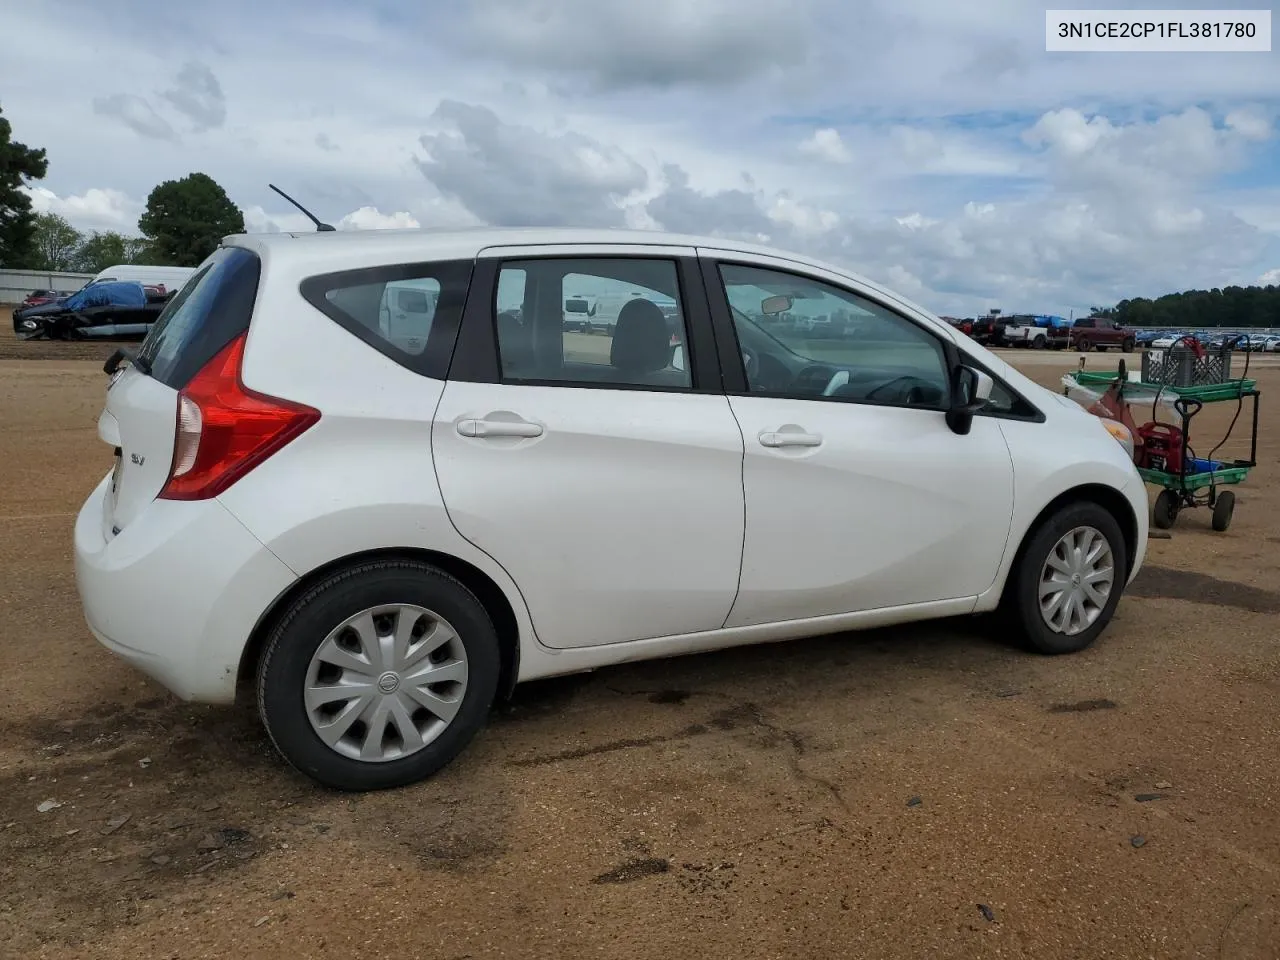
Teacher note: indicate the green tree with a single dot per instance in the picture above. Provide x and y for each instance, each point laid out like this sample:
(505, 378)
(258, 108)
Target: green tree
(56, 242)
(185, 220)
(18, 165)
(102, 250)
(1240, 307)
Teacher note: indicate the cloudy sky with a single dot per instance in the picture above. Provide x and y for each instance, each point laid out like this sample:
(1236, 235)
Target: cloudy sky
(929, 144)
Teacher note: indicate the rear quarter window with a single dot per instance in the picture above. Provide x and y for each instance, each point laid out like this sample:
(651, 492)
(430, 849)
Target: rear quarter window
(409, 313)
(213, 307)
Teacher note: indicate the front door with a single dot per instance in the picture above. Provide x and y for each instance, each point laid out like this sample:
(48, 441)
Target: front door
(605, 480)
(859, 496)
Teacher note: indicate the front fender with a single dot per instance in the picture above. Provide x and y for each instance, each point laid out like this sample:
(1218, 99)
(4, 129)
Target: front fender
(1069, 452)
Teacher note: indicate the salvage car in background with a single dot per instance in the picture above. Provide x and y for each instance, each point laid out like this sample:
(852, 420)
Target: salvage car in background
(100, 311)
(37, 297)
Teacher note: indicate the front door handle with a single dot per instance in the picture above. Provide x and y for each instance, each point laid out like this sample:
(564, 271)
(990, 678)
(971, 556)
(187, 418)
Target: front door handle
(499, 428)
(787, 439)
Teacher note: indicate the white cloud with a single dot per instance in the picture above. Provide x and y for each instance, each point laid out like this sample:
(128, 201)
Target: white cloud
(515, 175)
(825, 144)
(258, 220)
(1250, 123)
(371, 218)
(915, 221)
(1270, 279)
(95, 209)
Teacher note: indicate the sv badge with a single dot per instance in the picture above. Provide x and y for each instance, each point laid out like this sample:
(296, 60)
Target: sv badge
(139, 461)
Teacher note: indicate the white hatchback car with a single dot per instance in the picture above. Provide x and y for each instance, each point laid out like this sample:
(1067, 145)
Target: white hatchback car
(379, 530)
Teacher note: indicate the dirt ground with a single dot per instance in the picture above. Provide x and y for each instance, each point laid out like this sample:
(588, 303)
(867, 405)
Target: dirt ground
(920, 792)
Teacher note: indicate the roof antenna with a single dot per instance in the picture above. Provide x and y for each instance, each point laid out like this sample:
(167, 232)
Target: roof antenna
(320, 227)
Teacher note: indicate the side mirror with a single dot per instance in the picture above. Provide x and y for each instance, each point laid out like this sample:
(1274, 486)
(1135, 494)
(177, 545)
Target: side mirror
(970, 391)
(677, 357)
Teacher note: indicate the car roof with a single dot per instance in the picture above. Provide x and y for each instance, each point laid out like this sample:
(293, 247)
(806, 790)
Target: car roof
(471, 240)
(367, 247)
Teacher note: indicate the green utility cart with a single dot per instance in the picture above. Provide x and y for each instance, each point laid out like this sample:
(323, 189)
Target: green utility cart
(1187, 480)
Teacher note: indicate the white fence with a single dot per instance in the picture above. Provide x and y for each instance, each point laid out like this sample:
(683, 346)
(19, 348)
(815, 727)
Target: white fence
(15, 285)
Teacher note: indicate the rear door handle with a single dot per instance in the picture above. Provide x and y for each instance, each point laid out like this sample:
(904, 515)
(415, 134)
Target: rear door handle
(498, 428)
(784, 439)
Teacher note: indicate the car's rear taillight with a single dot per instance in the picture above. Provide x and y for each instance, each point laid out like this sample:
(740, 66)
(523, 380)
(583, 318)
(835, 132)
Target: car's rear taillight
(225, 429)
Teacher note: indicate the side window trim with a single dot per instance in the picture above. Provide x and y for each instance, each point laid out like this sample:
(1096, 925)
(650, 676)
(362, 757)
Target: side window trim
(456, 280)
(730, 351)
(1034, 414)
(734, 374)
(477, 357)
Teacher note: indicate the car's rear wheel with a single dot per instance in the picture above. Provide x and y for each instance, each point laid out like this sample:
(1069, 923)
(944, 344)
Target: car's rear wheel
(1069, 579)
(379, 675)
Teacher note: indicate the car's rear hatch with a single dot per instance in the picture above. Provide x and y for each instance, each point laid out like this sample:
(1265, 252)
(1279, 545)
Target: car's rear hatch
(141, 416)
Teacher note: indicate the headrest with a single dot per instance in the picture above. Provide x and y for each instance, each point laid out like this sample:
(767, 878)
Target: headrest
(641, 341)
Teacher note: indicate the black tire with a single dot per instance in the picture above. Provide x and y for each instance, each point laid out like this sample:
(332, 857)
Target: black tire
(1023, 598)
(1083, 345)
(1223, 508)
(1127, 346)
(307, 622)
(1040, 342)
(1165, 510)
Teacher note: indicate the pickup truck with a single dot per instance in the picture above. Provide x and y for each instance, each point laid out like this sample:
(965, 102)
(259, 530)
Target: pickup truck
(1101, 333)
(1039, 332)
(988, 330)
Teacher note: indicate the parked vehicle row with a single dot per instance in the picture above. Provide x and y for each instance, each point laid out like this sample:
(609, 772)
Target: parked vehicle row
(1042, 331)
(1098, 333)
(1244, 342)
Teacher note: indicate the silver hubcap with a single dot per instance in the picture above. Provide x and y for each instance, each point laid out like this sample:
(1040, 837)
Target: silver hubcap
(386, 682)
(1076, 581)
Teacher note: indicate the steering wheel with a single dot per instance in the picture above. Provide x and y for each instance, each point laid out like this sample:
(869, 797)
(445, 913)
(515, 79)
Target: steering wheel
(914, 395)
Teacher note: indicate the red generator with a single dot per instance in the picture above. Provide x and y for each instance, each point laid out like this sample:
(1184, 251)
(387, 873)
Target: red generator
(1161, 447)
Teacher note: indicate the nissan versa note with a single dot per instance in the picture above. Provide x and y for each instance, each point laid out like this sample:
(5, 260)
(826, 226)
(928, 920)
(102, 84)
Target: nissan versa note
(377, 521)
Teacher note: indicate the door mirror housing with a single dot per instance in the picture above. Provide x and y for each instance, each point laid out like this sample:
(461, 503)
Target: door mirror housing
(970, 390)
(677, 357)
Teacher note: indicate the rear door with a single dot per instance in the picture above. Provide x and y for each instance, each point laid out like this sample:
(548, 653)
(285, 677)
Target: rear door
(140, 417)
(605, 479)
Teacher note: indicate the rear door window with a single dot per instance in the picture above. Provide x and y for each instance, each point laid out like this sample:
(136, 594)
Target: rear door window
(407, 312)
(212, 309)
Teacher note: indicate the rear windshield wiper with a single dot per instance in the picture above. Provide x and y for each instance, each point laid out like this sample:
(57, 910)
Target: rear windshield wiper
(121, 355)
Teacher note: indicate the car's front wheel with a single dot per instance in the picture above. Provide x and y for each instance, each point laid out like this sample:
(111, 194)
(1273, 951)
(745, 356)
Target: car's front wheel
(379, 675)
(1068, 580)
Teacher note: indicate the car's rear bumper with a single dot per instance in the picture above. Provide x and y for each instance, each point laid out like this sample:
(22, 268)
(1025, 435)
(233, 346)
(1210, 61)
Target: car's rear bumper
(178, 592)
